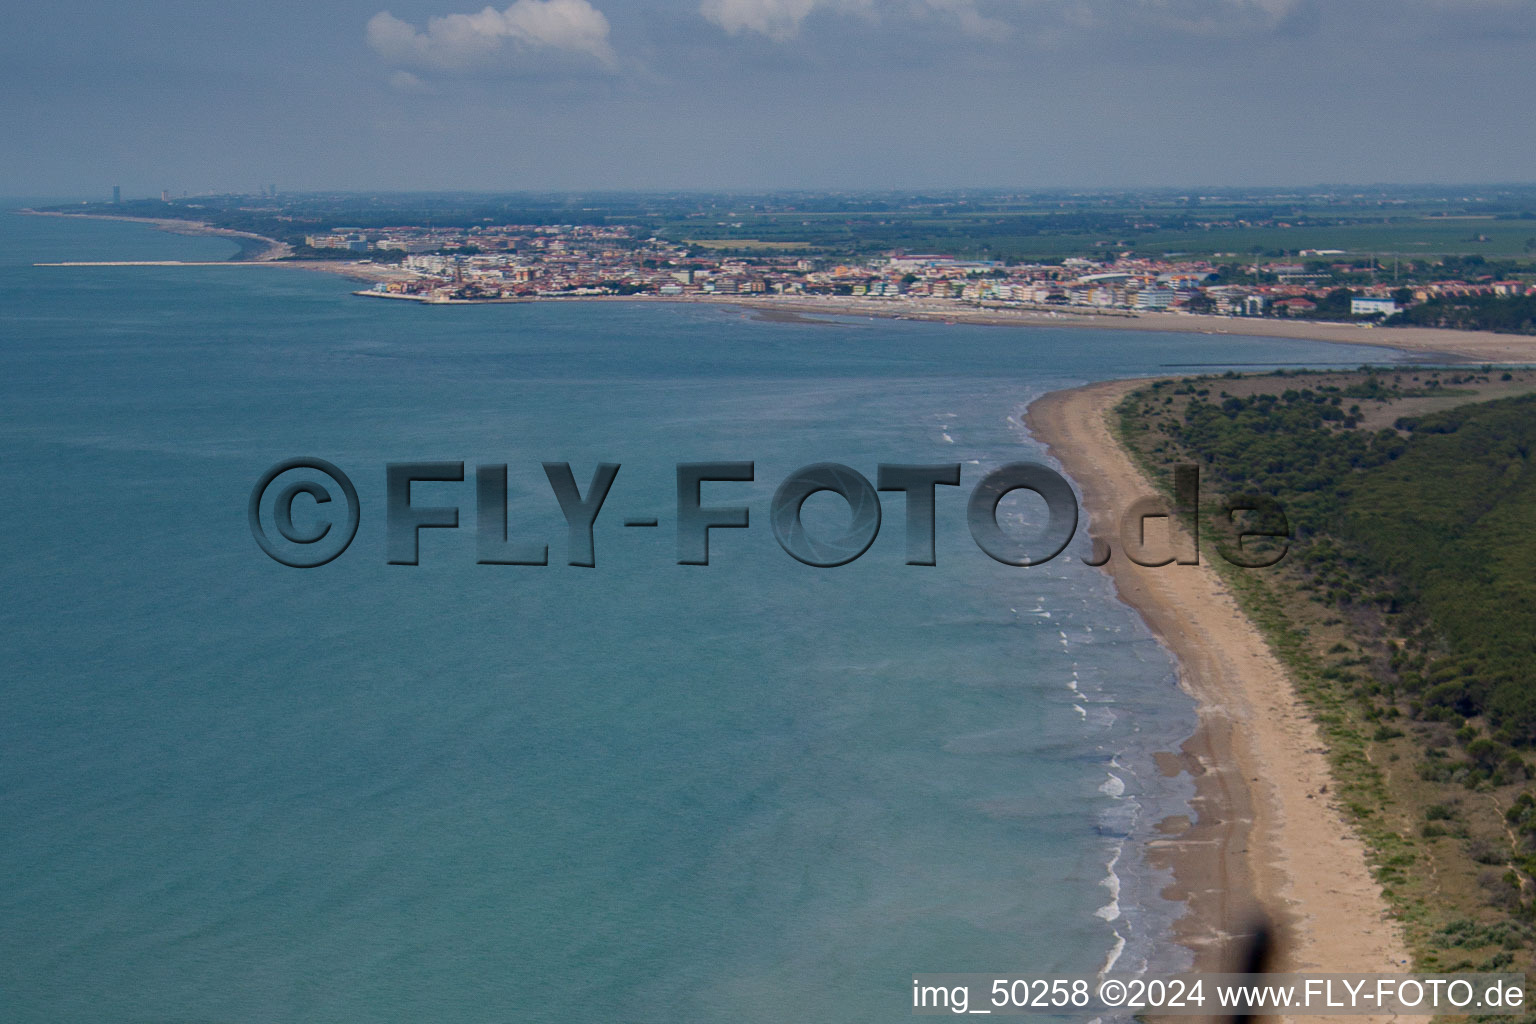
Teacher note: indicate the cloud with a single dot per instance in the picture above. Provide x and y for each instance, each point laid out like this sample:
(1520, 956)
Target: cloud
(463, 41)
(777, 19)
(1215, 17)
(782, 20)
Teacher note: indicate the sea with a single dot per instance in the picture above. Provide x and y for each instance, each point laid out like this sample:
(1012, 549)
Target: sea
(755, 790)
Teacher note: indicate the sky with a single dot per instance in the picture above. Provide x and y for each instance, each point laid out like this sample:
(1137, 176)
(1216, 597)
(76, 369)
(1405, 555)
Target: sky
(369, 95)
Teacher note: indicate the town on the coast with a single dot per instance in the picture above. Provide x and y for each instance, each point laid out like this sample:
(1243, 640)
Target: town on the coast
(524, 262)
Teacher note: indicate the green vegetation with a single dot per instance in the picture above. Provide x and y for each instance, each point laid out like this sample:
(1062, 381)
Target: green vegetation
(1511, 315)
(1405, 611)
(747, 245)
(305, 252)
(1454, 519)
(1383, 230)
(1444, 506)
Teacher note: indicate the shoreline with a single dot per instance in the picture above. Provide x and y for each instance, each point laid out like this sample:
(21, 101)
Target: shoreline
(1440, 344)
(1265, 835)
(1435, 343)
(273, 252)
(1262, 822)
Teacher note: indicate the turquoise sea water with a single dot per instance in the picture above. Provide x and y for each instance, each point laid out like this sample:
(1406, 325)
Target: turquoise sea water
(755, 791)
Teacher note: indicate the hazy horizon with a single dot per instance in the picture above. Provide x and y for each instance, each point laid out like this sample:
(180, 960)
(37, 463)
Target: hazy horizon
(763, 95)
(938, 192)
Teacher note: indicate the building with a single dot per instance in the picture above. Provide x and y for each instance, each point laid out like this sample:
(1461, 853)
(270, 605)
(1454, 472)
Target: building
(1372, 307)
(117, 195)
(350, 242)
(1293, 305)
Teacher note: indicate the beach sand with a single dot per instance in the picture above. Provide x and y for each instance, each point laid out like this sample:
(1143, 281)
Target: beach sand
(254, 248)
(1434, 343)
(1267, 833)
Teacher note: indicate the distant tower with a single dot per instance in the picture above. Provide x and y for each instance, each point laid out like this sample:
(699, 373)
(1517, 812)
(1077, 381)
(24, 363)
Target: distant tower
(274, 191)
(165, 195)
(117, 195)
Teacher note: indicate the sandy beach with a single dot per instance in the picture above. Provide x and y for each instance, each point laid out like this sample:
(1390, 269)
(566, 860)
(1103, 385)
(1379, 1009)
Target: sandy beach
(1266, 831)
(263, 249)
(1435, 344)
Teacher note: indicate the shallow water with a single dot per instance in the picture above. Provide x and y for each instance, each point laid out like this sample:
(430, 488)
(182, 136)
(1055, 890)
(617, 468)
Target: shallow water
(456, 792)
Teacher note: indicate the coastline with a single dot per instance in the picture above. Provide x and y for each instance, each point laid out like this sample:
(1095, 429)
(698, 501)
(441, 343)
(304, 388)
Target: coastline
(1236, 837)
(1438, 343)
(272, 250)
(1435, 343)
(1266, 834)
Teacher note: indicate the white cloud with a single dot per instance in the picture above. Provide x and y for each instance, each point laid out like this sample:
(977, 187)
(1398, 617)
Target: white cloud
(776, 19)
(460, 41)
(1216, 17)
(781, 20)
